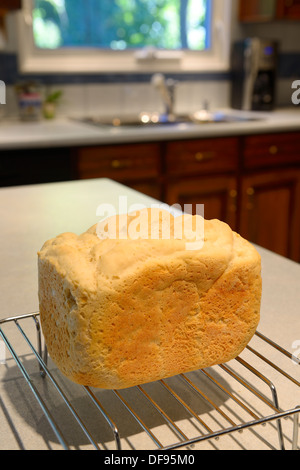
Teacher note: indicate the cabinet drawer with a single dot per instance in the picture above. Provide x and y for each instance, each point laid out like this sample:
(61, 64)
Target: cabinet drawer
(11, 4)
(202, 156)
(126, 162)
(271, 150)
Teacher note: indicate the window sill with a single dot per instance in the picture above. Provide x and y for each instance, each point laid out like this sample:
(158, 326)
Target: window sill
(85, 65)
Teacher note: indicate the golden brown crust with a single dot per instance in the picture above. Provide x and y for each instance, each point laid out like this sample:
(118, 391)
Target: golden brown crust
(118, 313)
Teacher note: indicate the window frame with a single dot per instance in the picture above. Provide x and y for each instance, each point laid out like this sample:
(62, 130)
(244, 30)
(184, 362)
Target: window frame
(94, 60)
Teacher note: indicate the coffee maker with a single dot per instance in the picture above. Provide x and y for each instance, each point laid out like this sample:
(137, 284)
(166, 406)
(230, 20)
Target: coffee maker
(254, 71)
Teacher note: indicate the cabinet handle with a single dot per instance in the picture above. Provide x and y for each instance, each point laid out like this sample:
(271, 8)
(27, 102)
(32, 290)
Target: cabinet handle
(273, 150)
(204, 156)
(121, 164)
(250, 204)
(233, 196)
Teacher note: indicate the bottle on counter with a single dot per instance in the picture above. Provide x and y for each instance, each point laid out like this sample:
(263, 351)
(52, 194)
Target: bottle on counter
(30, 101)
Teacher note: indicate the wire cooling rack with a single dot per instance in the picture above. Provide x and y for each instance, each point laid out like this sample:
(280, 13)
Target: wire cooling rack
(231, 406)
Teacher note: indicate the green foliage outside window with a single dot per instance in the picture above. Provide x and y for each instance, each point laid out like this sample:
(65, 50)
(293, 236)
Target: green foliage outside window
(121, 24)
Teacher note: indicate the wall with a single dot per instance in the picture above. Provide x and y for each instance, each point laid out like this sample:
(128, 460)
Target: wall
(114, 94)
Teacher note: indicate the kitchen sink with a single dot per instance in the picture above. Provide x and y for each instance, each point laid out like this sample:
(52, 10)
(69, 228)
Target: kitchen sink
(140, 121)
(155, 119)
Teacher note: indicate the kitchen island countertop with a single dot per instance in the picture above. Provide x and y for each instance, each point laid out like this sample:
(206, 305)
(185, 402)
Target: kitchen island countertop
(31, 215)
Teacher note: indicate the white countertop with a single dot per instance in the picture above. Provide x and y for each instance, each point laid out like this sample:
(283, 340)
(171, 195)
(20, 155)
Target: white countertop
(31, 215)
(67, 132)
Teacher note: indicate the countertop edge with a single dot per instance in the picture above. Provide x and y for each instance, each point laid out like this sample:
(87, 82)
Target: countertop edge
(75, 134)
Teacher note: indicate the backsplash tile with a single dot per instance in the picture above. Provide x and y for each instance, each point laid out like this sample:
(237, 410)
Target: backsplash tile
(74, 102)
(111, 94)
(110, 100)
(105, 99)
(289, 66)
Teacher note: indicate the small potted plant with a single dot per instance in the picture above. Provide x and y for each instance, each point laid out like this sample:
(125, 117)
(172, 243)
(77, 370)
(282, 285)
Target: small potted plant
(50, 104)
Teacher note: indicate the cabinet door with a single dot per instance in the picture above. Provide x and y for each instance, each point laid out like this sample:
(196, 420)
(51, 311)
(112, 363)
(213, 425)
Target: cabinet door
(11, 4)
(270, 208)
(218, 194)
(288, 9)
(257, 10)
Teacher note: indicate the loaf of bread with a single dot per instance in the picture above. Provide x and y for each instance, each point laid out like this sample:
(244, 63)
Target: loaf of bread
(123, 311)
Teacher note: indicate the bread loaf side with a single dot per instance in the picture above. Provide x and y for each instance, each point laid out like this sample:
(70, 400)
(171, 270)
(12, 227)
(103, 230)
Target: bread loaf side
(116, 313)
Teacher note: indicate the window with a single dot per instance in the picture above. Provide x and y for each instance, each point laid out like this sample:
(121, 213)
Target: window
(123, 35)
(122, 24)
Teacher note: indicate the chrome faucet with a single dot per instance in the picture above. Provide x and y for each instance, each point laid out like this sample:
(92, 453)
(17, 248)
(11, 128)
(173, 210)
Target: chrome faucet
(166, 89)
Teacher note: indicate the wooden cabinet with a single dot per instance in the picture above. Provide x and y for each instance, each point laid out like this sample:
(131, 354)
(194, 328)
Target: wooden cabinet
(218, 194)
(135, 165)
(251, 11)
(270, 192)
(205, 156)
(257, 10)
(204, 172)
(10, 5)
(288, 9)
(270, 211)
(271, 150)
